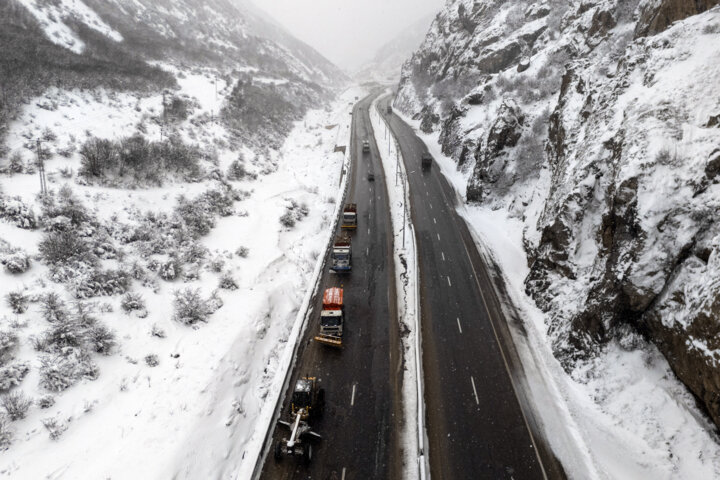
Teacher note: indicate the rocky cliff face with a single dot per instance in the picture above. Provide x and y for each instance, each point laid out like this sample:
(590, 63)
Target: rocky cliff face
(596, 123)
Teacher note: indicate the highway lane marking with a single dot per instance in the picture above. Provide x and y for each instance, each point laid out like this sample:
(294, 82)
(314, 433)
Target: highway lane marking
(434, 221)
(477, 400)
(367, 251)
(430, 205)
(368, 231)
(352, 398)
(343, 474)
(443, 255)
(438, 235)
(459, 326)
(449, 283)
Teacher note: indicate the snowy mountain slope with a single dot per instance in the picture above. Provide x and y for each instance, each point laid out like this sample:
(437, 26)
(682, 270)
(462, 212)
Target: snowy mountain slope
(387, 62)
(83, 42)
(594, 126)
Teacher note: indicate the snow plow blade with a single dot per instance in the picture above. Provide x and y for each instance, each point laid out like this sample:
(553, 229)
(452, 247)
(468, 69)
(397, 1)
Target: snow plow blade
(329, 340)
(348, 226)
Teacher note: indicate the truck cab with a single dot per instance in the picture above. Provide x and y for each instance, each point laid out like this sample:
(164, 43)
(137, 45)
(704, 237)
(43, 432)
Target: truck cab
(426, 161)
(332, 318)
(366, 146)
(331, 323)
(349, 216)
(342, 254)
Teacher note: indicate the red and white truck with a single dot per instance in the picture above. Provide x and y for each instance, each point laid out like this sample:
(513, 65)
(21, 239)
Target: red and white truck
(332, 318)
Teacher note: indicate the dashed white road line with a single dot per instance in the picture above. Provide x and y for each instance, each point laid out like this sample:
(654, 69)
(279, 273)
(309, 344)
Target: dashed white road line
(438, 235)
(367, 252)
(368, 231)
(352, 398)
(430, 205)
(449, 283)
(434, 221)
(443, 255)
(477, 400)
(343, 474)
(459, 326)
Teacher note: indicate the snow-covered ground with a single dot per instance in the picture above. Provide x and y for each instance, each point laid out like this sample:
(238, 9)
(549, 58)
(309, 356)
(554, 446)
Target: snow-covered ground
(622, 415)
(406, 282)
(196, 413)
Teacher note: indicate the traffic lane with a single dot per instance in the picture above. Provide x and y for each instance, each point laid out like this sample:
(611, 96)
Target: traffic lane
(496, 375)
(342, 412)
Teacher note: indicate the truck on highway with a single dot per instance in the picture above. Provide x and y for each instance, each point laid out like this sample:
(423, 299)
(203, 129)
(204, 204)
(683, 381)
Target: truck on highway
(389, 109)
(308, 402)
(342, 254)
(426, 161)
(366, 146)
(349, 217)
(332, 318)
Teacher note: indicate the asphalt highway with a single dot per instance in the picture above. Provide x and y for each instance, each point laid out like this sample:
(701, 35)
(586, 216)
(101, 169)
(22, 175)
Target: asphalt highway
(361, 380)
(476, 426)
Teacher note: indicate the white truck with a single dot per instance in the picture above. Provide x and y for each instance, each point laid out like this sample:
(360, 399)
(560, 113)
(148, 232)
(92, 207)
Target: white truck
(342, 254)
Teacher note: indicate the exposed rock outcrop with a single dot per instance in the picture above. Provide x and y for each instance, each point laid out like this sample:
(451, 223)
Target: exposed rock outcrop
(657, 15)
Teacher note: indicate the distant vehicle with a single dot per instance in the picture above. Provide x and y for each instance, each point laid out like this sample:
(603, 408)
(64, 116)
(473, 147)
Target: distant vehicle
(426, 161)
(342, 254)
(332, 318)
(371, 177)
(366, 146)
(308, 401)
(389, 109)
(349, 218)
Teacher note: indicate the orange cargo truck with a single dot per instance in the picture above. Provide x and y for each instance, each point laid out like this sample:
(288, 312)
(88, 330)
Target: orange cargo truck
(332, 318)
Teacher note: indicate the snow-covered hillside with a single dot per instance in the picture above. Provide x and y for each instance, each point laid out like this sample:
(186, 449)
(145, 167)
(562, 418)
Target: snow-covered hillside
(149, 296)
(587, 132)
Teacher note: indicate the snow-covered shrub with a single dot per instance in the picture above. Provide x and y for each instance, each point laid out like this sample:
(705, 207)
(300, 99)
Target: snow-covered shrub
(103, 283)
(191, 272)
(238, 171)
(59, 372)
(152, 360)
(53, 308)
(214, 303)
(6, 434)
(227, 282)
(193, 252)
(217, 264)
(97, 156)
(54, 427)
(8, 343)
(46, 401)
(170, 270)
(16, 262)
(14, 211)
(48, 135)
(16, 405)
(190, 308)
(243, 252)
(65, 205)
(63, 334)
(12, 375)
(59, 248)
(294, 213)
(101, 339)
(196, 215)
(17, 163)
(17, 301)
(132, 301)
(156, 331)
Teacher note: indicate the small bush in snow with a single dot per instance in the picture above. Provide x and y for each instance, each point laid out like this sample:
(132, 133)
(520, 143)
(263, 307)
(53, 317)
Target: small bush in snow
(16, 404)
(243, 252)
(46, 401)
(294, 213)
(227, 282)
(103, 283)
(59, 372)
(101, 339)
(53, 308)
(54, 427)
(8, 343)
(194, 252)
(170, 270)
(17, 301)
(16, 212)
(132, 301)
(67, 333)
(6, 434)
(217, 264)
(287, 220)
(12, 375)
(196, 216)
(65, 205)
(97, 155)
(17, 262)
(214, 303)
(152, 360)
(190, 308)
(17, 163)
(157, 331)
(238, 171)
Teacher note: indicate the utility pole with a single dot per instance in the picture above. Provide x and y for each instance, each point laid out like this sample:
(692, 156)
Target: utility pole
(41, 169)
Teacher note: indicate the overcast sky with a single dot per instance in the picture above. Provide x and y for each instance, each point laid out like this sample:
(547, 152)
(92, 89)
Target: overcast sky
(348, 32)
